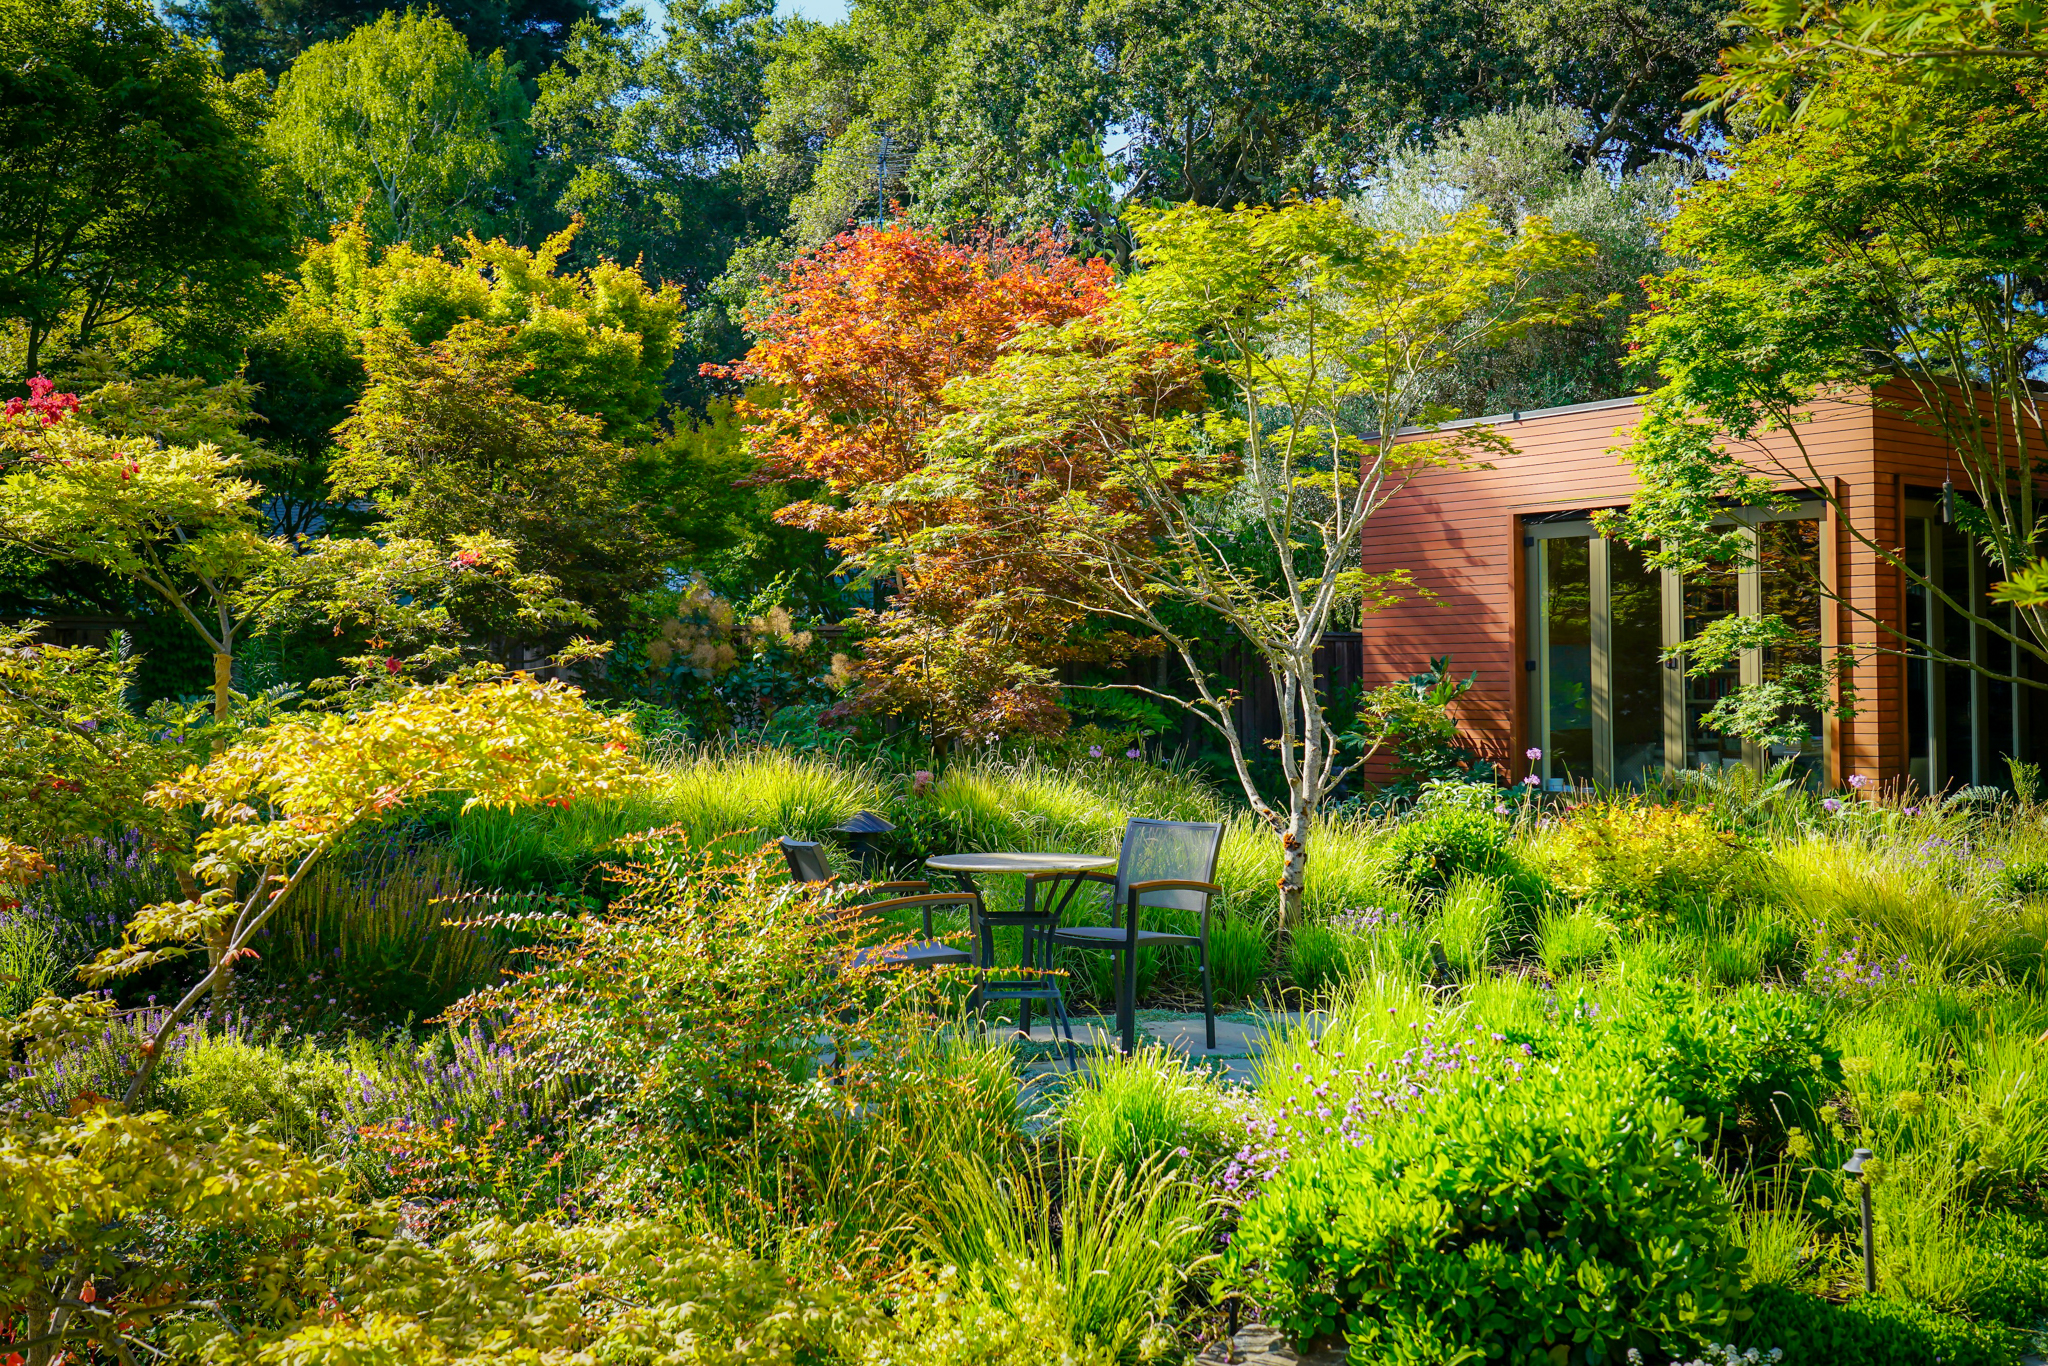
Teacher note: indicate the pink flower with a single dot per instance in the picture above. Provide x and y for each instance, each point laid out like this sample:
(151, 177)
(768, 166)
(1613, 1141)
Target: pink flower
(1500, 809)
(1532, 754)
(1857, 780)
(920, 780)
(1830, 805)
(1531, 780)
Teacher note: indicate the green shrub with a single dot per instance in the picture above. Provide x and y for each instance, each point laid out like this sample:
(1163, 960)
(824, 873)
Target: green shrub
(1652, 859)
(291, 1094)
(1752, 1066)
(1566, 1211)
(1869, 1328)
(1427, 852)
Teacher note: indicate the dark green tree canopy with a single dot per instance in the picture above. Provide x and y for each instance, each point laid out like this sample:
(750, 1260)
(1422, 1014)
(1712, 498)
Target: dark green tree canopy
(269, 35)
(134, 189)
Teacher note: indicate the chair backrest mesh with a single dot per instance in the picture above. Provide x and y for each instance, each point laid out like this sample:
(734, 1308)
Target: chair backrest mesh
(1155, 850)
(806, 861)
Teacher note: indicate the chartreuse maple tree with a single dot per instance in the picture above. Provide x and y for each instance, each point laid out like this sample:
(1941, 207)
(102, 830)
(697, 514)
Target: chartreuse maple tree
(1095, 441)
(1887, 256)
(274, 804)
(185, 525)
(179, 522)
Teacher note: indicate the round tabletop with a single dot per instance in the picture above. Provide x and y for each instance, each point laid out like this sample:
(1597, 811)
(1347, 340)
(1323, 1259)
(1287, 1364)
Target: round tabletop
(1019, 863)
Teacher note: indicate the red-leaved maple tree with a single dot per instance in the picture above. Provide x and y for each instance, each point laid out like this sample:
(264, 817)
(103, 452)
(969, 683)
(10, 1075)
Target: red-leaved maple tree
(861, 338)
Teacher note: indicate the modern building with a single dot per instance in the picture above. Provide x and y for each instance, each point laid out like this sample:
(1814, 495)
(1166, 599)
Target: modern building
(1567, 629)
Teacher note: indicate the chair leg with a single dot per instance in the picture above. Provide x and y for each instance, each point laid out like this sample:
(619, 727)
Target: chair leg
(1030, 961)
(1208, 993)
(1058, 1013)
(1130, 999)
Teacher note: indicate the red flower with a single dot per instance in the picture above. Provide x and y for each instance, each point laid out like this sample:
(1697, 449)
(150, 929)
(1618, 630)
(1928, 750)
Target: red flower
(391, 664)
(50, 407)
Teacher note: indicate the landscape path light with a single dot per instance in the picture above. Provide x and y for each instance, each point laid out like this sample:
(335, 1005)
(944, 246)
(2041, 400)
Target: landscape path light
(1858, 1160)
(857, 828)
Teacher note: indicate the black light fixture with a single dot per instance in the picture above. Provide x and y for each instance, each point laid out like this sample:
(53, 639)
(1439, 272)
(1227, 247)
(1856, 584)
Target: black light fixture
(857, 828)
(1854, 1166)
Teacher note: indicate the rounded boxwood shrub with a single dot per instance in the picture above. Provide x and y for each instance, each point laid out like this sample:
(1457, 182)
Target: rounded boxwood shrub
(1565, 1216)
(1425, 853)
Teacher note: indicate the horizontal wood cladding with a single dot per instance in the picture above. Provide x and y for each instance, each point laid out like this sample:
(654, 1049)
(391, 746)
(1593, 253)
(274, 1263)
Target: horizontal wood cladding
(1458, 533)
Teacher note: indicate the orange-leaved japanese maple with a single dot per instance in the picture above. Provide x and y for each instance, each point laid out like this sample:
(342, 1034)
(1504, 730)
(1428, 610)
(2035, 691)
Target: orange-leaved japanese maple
(861, 338)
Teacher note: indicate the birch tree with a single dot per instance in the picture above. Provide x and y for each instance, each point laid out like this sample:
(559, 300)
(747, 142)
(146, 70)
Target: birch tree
(1315, 338)
(400, 120)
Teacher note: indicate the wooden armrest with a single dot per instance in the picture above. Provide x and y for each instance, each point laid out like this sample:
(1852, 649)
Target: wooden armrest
(899, 886)
(934, 899)
(1174, 884)
(924, 905)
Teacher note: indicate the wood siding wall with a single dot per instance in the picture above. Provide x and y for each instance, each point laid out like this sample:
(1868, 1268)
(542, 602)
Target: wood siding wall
(1460, 533)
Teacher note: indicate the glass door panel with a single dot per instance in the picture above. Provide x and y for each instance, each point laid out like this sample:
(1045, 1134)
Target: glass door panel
(1568, 664)
(1788, 574)
(1708, 598)
(1635, 648)
(1919, 705)
(1959, 718)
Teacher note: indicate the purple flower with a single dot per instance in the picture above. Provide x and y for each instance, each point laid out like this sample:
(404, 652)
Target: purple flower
(1134, 753)
(1532, 754)
(1095, 751)
(1857, 780)
(1912, 810)
(1830, 805)
(1531, 781)
(1500, 809)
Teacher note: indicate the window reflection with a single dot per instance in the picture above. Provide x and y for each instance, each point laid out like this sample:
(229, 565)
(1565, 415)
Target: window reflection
(1708, 598)
(1635, 645)
(1788, 583)
(1568, 678)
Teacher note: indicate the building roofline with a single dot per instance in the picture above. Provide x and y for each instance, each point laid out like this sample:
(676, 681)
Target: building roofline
(1627, 401)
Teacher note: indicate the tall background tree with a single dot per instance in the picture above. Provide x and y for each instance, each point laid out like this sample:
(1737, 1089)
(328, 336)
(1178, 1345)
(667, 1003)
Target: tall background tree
(1323, 334)
(402, 123)
(134, 189)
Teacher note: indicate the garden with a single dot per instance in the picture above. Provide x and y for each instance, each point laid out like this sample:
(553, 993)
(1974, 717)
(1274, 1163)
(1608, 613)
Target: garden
(667, 687)
(1543, 1080)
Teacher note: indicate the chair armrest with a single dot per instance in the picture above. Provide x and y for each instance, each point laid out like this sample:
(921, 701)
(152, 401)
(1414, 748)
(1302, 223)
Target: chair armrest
(899, 886)
(924, 905)
(1174, 884)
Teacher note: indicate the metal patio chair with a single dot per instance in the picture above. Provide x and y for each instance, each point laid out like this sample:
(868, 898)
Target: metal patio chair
(1162, 865)
(807, 864)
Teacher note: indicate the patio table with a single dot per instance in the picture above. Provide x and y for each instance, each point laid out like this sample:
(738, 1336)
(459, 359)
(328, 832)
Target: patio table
(1036, 924)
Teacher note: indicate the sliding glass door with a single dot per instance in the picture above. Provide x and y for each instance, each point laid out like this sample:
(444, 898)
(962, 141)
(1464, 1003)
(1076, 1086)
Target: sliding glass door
(1605, 706)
